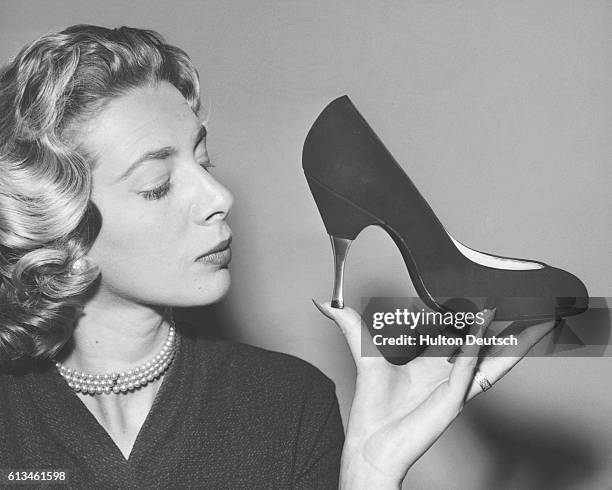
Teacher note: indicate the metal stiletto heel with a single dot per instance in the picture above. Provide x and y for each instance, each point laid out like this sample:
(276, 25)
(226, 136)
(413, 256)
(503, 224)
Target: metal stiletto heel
(340, 248)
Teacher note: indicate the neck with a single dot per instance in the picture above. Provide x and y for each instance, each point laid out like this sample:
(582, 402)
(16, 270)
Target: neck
(116, 335)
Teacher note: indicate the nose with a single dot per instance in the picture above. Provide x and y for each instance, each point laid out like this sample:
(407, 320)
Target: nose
(213, 202)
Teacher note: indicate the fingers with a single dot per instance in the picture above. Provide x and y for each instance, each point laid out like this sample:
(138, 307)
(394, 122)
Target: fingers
(463, 371)
(442, 350)
(526, 339)
(496, 366)
(353, 329)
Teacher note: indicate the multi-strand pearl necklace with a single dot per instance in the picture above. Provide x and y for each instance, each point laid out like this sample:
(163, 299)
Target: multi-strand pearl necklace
(124, 381)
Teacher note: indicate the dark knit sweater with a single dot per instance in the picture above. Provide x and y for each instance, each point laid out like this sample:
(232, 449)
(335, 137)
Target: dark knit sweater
(226, 415)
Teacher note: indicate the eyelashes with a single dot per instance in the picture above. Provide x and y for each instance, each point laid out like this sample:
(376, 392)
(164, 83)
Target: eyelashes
(157, 193)
(162, 191)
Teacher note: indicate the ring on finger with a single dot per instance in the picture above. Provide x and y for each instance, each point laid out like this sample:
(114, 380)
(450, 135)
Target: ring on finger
(482, 380)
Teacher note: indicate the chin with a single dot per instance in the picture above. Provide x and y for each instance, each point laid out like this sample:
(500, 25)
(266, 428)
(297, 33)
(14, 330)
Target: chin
(214, 290)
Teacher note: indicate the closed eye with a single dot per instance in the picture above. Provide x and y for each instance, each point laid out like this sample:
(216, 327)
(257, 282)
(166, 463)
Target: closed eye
(157, 193)
(162, 191)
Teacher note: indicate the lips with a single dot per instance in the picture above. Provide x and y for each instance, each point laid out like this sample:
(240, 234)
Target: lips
(220, 247)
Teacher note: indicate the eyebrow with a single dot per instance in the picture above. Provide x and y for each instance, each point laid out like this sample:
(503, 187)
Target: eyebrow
(160, 154)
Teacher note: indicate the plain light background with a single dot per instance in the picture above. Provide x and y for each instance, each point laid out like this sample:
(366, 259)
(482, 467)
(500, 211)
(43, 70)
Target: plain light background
(501, 114)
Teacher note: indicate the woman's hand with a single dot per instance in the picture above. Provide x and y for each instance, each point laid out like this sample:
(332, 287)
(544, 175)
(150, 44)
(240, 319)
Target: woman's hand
(398, 412)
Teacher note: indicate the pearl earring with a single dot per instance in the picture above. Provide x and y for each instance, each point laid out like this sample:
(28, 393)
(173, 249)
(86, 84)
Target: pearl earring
(77, 266)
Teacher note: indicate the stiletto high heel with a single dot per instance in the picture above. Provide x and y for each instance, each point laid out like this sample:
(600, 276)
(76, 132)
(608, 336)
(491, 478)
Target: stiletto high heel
(340, 248)
(356, 183)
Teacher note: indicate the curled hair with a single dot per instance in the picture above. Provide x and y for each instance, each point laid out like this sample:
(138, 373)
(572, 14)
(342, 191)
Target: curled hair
(47, 221)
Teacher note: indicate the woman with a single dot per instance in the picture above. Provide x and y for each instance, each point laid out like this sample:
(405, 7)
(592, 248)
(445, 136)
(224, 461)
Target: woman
(108, 218)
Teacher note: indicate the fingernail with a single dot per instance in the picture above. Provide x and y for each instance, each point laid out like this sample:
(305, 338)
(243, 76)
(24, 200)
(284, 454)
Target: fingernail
(320, 308)
(453, 357)
(489, 312)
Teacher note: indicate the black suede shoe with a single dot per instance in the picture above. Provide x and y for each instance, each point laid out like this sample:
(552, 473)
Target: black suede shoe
(356, 182)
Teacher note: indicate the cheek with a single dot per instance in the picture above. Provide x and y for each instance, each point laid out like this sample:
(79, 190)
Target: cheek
(148, 256)
(136, 243)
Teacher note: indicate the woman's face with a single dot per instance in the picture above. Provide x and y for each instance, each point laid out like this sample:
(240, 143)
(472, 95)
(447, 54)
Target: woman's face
(161, 208)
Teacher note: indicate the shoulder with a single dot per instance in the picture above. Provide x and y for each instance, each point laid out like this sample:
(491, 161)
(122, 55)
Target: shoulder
(11, 375)
(260, 366)
(223, 366)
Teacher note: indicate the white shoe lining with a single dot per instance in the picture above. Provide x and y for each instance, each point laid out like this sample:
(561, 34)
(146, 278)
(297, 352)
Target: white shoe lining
(494, 261)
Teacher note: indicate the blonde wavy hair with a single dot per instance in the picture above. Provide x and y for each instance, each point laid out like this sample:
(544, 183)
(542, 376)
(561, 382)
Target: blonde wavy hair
(47, 221)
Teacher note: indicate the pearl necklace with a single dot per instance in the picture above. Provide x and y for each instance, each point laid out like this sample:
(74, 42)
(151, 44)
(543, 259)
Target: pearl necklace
(124, 381)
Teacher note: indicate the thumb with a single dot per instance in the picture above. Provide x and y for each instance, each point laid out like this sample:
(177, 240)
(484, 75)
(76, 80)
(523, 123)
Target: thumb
(352, 327)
